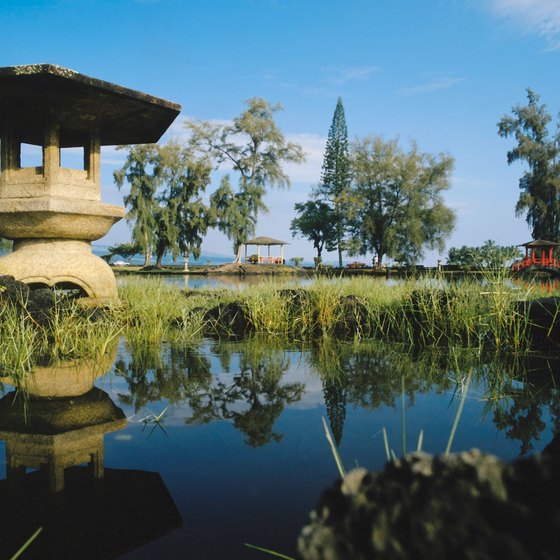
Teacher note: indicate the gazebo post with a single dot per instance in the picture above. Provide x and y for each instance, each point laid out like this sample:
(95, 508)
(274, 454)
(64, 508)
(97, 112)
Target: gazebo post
(258, 254)
(281, 254)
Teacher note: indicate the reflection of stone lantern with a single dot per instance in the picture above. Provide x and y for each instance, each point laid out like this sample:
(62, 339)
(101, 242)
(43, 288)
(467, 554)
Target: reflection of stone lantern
(51, 212)
(86, 512)
(62, 420)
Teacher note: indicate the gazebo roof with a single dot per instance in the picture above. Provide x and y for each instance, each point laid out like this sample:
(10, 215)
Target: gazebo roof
(29, 93)
(265, 241)
(539, 243)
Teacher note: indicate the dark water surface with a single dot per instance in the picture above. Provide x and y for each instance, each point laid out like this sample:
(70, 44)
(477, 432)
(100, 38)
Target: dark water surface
(210, 447)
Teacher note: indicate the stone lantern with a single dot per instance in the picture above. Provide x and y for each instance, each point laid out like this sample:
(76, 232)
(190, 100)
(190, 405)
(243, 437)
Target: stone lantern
(53, 213)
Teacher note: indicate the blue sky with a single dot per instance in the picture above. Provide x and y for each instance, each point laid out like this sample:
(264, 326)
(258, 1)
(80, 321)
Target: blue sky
(442, 72)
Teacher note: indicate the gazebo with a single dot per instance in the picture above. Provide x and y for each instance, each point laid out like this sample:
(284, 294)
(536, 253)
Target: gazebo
(267, 242)
(539, 254)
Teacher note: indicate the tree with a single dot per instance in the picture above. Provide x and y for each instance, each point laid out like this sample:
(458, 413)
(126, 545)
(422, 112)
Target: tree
(140, 171)
(335, 177)
(124, 250)
(233, 216)
(397, 207)
(540, 186)
(165, 204)
(185, 178)
(254, 147)
(315, 222)
(489, 255)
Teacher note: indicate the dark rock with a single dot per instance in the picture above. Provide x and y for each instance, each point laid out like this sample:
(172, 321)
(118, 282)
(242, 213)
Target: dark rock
(353, 317)
(229, 318)
(39, 303)
(467, 505)
(543, 321)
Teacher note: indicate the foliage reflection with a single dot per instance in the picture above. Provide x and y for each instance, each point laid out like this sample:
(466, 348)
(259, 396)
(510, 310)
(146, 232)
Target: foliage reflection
(250, 383)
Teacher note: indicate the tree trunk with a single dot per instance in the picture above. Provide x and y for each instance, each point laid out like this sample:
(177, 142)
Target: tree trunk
(147, 251)
(339, 255)
(147, 257)
(238, 255)
(186, 263)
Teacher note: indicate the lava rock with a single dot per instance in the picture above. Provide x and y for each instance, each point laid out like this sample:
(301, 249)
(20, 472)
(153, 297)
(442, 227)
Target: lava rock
(466, 505)
(543, 322)
(40, 303)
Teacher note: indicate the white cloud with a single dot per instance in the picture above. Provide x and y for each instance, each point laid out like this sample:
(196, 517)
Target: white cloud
(314, 146)
(531, 16)
(436, 84)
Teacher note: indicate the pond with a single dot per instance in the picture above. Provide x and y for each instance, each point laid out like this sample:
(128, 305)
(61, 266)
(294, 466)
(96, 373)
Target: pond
(208, 447)
(228, 281)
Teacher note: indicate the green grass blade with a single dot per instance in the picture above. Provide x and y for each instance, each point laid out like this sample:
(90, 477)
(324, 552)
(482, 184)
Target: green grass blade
(420, 441)
(386, 441)
(403, 403)
(458, 415)
(29, 541)
(267, 551)
(339, 464)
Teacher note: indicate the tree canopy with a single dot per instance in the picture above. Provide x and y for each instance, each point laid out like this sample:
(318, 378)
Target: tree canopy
(164, 202)
(315, 221)
(489, 255)
(396, 205)
(540, 185)
(140, 172)
(253, 147)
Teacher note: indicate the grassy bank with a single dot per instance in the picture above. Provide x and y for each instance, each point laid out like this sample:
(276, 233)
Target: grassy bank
(420, 313)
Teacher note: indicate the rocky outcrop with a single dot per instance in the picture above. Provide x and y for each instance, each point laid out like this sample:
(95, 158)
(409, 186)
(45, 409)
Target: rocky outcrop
(467, 505)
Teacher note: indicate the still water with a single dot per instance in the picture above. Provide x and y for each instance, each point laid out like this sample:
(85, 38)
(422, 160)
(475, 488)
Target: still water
(195, 451)
(227, 281)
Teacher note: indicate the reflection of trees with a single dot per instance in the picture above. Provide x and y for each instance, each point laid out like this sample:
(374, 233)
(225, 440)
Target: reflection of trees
(371, 375)
(254, 398)
(247, 388)
(167, 372)
(519, 401)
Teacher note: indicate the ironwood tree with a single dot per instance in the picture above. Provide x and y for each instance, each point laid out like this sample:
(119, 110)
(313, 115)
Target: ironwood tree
(164, 203)
(185, 179)
(397, 207)
(540, 185)
(255, 149)
(141, 173)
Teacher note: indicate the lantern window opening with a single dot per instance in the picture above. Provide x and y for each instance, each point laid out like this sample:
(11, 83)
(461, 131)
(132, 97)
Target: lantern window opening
(30, 156)
(75, 149)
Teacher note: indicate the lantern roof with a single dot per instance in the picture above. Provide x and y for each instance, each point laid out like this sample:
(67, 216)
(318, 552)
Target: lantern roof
(32, 93)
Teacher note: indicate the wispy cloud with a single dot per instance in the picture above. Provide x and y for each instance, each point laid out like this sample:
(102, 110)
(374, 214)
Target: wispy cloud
(327, 81)
(435, 84)
(345, 75)
(531, 16)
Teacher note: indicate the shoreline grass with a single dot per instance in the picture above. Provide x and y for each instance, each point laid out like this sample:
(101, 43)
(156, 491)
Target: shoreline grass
(416, 312)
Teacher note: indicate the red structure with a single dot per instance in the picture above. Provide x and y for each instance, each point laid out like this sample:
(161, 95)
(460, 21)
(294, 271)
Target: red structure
(539, 255)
